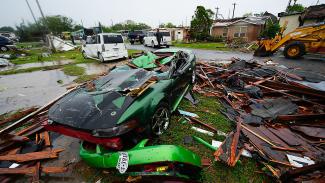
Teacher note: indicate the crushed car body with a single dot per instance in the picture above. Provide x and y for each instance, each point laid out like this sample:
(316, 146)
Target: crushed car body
(131, 99)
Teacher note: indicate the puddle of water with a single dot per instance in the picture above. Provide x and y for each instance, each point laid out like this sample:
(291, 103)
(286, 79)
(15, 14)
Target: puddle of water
(30, 89)
(97, 68)
(37, 64)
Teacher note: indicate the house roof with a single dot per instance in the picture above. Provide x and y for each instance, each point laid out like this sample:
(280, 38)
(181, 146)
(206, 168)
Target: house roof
(285, 14)
(314, 12)
(248, 20)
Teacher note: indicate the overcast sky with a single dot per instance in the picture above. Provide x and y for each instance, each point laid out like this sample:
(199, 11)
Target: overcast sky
(151, 12)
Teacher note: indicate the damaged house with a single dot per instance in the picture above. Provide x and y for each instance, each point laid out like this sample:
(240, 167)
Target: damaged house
(247, 28)
(312, 15)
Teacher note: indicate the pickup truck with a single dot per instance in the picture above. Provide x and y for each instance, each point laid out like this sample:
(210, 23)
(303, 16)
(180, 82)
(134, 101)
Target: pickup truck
(136, 36)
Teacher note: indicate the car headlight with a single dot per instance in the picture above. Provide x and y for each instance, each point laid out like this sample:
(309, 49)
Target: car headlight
(117, 130)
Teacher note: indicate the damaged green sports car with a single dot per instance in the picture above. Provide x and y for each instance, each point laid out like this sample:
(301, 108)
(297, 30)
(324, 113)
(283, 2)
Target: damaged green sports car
(134, 99)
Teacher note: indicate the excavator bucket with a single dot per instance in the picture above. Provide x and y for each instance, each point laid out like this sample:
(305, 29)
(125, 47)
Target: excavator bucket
(261, 52)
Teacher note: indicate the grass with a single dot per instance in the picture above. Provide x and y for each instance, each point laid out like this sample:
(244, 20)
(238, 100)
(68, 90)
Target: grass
(131, 52)
(208, 110)
(203, 45)
(73, 70)
(84, 78)
(32, 69)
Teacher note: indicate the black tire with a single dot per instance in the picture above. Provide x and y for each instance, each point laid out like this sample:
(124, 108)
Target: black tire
(132, 42)
(160, 120)
(4, 48)
(101, 58)
(167, 46)
(294, 50)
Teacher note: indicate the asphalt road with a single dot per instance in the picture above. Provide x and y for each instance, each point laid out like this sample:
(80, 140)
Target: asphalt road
(313, 63)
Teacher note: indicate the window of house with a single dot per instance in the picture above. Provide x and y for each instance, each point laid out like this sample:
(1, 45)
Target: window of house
(225, 32)
(240, 31)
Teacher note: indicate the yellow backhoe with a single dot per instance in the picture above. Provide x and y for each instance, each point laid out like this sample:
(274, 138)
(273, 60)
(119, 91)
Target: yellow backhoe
(305, 39)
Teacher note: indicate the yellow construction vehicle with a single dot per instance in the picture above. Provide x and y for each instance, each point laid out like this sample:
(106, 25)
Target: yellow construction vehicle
(305, 39)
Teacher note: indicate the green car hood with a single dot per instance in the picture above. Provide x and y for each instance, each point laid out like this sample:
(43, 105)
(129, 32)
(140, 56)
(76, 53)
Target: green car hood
(140, 155)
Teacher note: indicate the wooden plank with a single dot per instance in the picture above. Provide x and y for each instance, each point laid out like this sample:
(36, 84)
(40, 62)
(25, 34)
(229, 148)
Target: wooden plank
(32, 156)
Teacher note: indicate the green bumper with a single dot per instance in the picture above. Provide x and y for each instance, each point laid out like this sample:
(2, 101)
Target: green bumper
(140, 155)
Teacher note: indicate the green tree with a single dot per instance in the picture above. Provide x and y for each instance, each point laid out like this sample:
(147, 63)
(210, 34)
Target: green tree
(295, 8)
(7, 28)
(201, 23)
(270, 30)
(57, 23)
(248, 14)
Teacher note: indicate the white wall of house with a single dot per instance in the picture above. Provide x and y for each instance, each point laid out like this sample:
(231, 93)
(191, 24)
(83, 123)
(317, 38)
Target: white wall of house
(293, 22)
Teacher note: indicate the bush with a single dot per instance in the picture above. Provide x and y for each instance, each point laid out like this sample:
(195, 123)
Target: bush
(216, 39)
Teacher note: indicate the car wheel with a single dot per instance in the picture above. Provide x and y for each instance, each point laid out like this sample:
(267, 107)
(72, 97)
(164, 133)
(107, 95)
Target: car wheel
(132, 42)
(153, 44)
(101, 58)
(167, 46)
(84, 55)
(4, 48)
(160, 120)
(294, 50)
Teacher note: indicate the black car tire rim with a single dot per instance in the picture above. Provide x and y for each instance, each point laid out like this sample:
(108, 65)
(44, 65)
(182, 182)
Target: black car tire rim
(160, 121)
(3, 48)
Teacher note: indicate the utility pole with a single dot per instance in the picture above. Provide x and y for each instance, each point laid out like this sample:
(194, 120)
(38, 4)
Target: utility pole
(217, 12)
(31, 11)
(40, 9)
(47, 28)
(289, 3)
(317, 2)
(233, 11)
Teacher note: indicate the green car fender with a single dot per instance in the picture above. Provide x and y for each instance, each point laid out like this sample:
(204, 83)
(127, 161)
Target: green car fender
(140, 155)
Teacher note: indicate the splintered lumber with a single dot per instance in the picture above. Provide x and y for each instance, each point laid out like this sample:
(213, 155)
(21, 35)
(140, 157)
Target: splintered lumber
(203, 124)
(33, 114)
(17, 115)
(32, 170)
(32, 156)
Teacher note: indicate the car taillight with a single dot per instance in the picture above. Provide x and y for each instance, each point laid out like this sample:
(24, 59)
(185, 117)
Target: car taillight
(114, 143)
(103, 47)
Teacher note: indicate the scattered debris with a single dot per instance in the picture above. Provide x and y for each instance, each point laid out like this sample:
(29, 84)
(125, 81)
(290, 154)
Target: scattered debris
(202, 131)
(185, 113)
(4, 62)
(277, 117)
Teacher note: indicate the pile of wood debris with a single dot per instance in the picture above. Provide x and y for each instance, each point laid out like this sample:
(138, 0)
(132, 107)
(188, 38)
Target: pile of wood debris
(278, 113)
